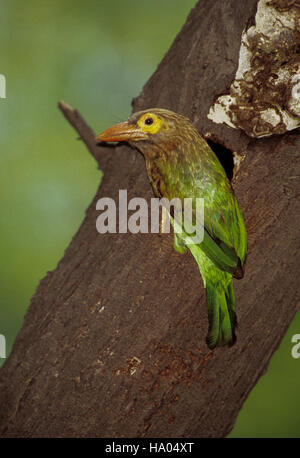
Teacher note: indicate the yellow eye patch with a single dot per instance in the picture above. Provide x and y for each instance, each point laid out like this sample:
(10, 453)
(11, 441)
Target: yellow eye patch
(151, 123)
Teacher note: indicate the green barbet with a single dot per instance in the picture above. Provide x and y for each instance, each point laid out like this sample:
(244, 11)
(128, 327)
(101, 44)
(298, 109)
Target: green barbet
(180, 164)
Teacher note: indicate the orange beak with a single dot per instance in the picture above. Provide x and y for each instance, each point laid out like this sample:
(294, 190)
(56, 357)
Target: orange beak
(122, 132)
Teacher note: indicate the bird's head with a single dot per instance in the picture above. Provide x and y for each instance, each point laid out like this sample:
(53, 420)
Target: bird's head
(147, 128)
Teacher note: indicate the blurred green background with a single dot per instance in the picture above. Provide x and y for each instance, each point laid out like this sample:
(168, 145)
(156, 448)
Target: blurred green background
(96, 55)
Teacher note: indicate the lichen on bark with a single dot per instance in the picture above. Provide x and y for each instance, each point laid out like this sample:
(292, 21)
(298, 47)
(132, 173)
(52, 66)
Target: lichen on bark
(264, 98)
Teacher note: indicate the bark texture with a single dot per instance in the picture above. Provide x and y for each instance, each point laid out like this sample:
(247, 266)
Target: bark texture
(113, 343)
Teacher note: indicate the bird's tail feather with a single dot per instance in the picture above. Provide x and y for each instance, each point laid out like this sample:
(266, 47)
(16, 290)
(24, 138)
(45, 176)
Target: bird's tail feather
(221, 314)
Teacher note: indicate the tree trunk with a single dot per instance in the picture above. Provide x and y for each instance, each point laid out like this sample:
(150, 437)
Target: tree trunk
(113, 343)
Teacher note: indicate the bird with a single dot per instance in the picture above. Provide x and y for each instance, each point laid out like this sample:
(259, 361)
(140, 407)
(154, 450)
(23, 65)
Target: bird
(180, 164)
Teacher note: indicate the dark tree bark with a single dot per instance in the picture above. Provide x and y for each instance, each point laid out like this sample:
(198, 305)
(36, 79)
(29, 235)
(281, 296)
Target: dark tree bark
(113, 343)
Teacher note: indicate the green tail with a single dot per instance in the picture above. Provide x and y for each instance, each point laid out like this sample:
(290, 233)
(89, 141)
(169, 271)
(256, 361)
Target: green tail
(220, 300)
(219, 294)
(221, 313)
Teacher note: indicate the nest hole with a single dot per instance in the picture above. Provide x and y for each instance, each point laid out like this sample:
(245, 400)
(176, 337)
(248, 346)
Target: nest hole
(224, 155)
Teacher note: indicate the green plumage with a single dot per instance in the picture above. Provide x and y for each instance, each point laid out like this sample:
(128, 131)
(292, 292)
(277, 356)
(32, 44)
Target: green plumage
(181, 164)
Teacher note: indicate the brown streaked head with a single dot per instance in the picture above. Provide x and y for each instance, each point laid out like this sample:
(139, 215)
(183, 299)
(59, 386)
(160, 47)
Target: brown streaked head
(155, 125)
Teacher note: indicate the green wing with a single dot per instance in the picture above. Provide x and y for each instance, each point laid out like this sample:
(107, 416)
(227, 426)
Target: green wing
(200, 175)
(225, 236)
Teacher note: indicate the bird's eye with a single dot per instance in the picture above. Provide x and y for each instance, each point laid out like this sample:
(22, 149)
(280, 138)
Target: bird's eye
(149, 121)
